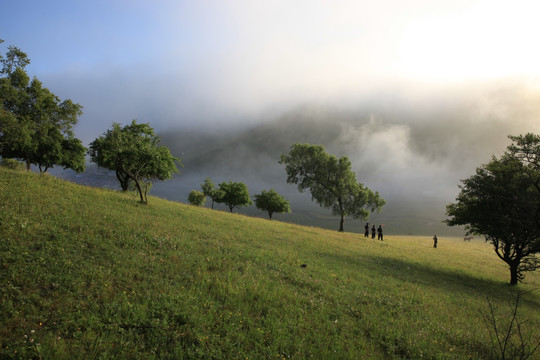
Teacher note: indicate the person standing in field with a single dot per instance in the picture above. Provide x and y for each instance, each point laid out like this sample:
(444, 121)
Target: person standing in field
(435, 241)
(373, 231)
(366, 230)
(379, 231)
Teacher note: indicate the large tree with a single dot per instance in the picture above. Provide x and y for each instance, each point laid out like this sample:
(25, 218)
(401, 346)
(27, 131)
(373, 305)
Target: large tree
(271, 202)
(502, 202)
(331, 182)
(234, 194)
(35, 125)
(134, 153)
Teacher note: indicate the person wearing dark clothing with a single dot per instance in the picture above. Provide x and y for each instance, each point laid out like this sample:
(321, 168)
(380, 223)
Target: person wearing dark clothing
(435, 241)
(366, 230)
(379, 231)
(373, 231)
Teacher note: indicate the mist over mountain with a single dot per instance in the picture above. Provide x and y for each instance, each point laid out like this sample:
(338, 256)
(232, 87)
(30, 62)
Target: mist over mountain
(413, 149)
(414, 154)
(415, 102)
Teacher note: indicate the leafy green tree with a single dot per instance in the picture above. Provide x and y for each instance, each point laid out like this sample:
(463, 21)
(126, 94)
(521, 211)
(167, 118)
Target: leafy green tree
(272, 202)
(134, 153)
(35, 125)
(234, 194)
(331, 182)
(196, 198)
(210, 190)
(502, 202)
(15, 58)
(526, 148)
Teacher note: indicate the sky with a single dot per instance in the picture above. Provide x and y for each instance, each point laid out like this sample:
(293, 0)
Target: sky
(436, 86)
(181, 62)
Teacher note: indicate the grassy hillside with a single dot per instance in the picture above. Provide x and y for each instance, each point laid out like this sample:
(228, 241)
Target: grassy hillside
(90, 273)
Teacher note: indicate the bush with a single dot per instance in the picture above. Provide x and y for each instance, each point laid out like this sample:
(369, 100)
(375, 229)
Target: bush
(196, 198)
(12, 164)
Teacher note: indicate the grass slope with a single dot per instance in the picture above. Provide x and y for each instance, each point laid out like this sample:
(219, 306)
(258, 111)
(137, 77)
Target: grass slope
(90, 273)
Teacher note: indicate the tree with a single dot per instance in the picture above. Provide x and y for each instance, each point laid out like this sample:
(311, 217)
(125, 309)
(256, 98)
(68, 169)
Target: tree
(35, 125)
(209, 190)
(526, 148)
(134, 153)
(272, 202)
(196, 198)
(502, 202)
(331, 182)
(15, 58)
(234, 194)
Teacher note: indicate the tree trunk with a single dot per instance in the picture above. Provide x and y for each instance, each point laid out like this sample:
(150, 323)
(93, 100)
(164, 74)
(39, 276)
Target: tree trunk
(514, 276)
(342, 213)
(146, 193)
(28, 166)
(140, 190)
(123, 180)
(270, 215)
(231, 207)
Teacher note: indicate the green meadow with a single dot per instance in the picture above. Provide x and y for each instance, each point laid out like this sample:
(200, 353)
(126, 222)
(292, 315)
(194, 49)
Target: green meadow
(91, 273)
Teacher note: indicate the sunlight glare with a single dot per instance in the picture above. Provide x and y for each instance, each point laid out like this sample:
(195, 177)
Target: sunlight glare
(491, 40)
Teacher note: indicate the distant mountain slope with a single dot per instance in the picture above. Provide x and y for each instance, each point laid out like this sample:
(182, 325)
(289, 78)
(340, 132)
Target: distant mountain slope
(415, 163)
(251, 155)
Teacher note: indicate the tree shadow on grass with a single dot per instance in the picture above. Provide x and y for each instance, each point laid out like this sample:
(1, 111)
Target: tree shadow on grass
(450, 280)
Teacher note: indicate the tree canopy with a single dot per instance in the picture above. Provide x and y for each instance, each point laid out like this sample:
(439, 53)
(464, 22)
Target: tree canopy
(331, 182)
(211, 191)
(196, 198)
(15, 58)
(35, 125)
(272, 202)
(501, 201)
(134, 153)
(234, 194)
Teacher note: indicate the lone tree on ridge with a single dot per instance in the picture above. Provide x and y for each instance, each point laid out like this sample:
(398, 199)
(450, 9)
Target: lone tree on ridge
(134, 153)
(234, 194)
(331, 182)
(272, 202)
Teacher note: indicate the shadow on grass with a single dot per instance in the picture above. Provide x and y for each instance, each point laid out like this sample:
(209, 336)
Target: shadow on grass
(450, 280)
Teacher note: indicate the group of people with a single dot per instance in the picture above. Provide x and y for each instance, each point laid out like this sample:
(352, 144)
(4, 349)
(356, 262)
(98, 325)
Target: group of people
(380, 233)
(373, 231)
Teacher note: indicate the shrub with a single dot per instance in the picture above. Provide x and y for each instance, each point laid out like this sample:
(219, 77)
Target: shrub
(12, 164)
(196, 198)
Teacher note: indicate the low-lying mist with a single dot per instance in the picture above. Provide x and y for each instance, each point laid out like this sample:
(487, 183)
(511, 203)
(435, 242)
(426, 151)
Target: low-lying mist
(413, 150)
